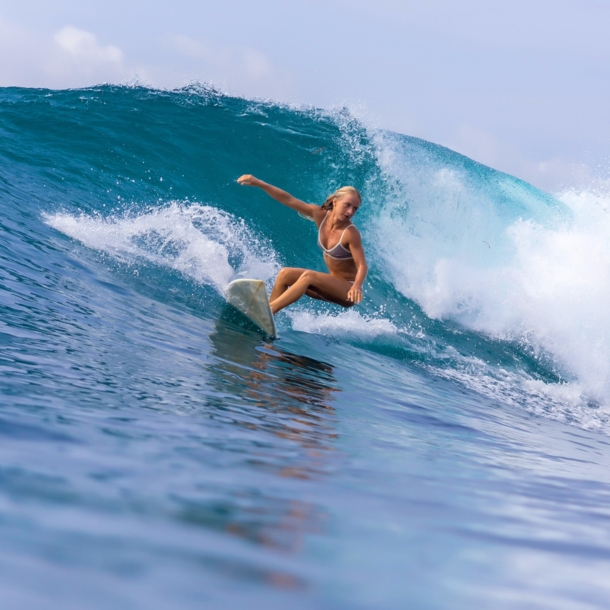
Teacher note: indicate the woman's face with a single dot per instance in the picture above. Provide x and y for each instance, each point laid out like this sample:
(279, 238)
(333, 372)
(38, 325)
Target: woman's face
(346, 205)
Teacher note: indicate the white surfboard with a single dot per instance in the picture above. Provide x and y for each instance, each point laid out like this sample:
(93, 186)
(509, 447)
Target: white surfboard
(250, 297)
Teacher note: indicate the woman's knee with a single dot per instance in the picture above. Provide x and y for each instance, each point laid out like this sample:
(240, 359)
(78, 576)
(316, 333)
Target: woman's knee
(285, 274)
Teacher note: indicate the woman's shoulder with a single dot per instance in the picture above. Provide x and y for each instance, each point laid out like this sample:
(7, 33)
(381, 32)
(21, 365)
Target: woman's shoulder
(319, 214)
(351, 233)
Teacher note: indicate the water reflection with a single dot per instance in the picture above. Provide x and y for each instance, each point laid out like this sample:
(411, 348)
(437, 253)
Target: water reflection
(271, 389)
(282, 403)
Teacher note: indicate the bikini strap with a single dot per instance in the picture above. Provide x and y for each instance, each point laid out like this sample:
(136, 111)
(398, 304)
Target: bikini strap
(320, 231)
(323, 220)
(342, 234)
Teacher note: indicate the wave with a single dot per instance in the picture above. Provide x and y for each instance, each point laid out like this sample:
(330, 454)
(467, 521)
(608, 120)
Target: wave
(475, 275)
(204, 244)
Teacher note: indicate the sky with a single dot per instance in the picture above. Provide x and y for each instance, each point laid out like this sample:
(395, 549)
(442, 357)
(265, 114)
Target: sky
(522, 86)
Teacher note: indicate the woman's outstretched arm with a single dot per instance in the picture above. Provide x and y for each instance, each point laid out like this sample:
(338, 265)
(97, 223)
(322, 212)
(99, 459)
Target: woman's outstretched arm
(307, 209)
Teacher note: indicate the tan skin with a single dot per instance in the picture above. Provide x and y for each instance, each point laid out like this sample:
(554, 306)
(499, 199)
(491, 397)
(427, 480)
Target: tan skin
(292, 283)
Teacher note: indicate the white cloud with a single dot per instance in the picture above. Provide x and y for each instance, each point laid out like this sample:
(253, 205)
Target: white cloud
(85, 46)
(78, 58)
(238, 69)
(70, 58)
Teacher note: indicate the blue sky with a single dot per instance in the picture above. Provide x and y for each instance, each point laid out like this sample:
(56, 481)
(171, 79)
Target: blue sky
(521, 86)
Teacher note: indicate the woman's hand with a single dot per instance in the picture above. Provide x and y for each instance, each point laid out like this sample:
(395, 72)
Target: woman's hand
(355, 294)
(248, 180)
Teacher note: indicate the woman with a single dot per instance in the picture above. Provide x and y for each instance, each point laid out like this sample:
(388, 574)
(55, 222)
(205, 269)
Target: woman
(344, 258)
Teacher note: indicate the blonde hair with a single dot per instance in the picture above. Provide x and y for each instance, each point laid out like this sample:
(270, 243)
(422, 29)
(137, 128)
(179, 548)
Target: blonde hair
(328, 204)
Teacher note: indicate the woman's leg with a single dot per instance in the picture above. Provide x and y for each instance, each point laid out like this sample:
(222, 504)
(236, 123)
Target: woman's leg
(285, 278)
(318, 285)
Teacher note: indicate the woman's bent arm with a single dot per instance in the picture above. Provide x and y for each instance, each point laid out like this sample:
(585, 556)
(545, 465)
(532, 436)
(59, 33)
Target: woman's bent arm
(355, 246)
(283, 197)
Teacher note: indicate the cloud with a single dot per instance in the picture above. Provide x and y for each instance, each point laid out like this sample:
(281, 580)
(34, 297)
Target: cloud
(79, 58)
(70, 58)
(241, 70)
(74, 57)
(85, 46)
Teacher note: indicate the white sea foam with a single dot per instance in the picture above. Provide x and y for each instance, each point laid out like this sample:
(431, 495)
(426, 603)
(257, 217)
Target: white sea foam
(348, 322)
(203, 243)
(565, 402)
(539, 277)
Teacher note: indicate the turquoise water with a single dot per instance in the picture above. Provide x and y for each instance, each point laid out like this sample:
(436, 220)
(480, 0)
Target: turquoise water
(444, 444)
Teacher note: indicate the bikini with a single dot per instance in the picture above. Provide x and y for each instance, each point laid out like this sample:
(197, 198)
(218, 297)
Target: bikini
(338, 251)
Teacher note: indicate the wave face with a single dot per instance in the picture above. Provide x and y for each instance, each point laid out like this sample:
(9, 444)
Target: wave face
(119, 201)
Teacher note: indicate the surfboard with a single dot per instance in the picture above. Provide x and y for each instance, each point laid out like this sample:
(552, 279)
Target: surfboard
(250, 297)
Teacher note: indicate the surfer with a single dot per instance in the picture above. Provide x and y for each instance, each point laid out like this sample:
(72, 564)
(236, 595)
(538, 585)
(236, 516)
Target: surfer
(345, 258)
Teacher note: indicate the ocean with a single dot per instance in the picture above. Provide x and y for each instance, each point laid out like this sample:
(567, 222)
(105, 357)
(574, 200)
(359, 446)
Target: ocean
(444, 444)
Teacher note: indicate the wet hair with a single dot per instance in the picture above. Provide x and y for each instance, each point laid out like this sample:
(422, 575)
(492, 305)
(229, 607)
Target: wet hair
(328, 204)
